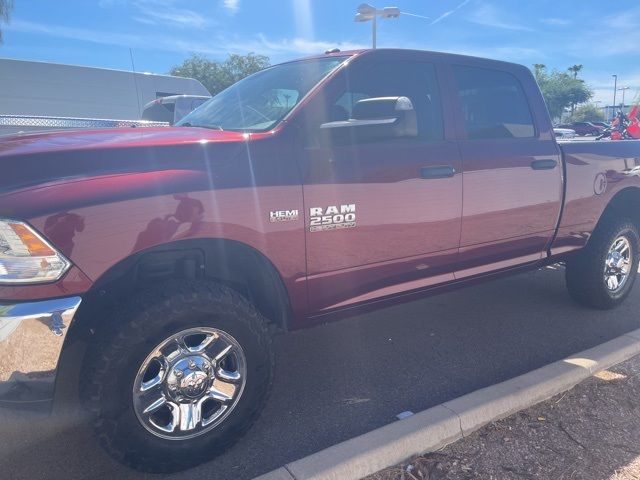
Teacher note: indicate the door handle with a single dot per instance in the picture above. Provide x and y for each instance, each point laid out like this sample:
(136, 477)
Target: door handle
(547, 164)
(441, 171)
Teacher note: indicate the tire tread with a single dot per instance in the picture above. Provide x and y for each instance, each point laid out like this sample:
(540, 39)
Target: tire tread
(177, 298)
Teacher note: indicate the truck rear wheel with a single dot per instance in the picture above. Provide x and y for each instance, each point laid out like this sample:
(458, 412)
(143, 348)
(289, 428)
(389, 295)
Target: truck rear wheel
(180, 373)
(602, 274)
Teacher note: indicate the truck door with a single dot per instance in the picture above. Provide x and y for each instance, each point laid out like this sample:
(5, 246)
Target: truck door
(382, 214)
(512, 172)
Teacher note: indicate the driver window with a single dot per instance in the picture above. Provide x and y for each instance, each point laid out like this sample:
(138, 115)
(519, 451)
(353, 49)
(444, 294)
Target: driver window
(415, 80)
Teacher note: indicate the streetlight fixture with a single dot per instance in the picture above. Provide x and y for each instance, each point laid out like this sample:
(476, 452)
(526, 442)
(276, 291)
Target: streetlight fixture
(623, 90)
(366, 12)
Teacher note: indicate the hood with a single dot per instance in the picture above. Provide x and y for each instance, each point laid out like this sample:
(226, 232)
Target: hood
(113, 138)
(32, 160)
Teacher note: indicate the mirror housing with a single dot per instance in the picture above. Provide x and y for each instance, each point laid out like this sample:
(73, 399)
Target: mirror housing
(378, 118)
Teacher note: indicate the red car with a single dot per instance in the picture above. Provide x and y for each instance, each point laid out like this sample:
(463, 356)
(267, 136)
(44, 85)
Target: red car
(149, 269)
(583, 128)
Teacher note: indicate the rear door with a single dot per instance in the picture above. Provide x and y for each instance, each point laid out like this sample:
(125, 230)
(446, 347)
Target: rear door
(404, 221)
(512, 172)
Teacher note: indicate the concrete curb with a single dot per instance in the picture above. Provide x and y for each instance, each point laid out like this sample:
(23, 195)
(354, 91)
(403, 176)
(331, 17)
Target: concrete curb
(443, 424)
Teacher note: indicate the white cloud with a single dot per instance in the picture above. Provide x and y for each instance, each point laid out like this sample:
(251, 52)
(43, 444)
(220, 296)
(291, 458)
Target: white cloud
(302, 45)
(446, 14)
(161, 12)
(556, 22)
(626, 20)
(232, 6)
(218, 46)
(622, 40)
(489, 16)
(109, 3)
(522, 55)
(180, 18)
(602, 85)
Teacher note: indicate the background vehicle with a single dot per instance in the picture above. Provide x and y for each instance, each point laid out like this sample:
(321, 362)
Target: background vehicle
(564, 133)
(602, 124)
(153, 266)
(582, 128)
(173, 108)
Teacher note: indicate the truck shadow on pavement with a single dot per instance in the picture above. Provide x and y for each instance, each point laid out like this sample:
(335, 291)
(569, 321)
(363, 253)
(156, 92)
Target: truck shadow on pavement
(340, 380)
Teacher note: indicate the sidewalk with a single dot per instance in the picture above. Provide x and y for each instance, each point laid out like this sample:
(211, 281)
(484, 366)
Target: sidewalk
(589, 432)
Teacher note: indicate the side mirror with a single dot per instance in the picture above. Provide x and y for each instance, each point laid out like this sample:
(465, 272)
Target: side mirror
(379, 118)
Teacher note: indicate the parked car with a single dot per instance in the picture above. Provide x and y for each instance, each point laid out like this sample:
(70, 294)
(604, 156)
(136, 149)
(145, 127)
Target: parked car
(583, 128)
(148, 269)
(564, 133)
(602, 124)
(172, 108)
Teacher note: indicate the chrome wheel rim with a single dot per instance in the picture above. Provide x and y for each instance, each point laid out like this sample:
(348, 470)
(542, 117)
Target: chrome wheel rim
(189, 383)
(617, 264)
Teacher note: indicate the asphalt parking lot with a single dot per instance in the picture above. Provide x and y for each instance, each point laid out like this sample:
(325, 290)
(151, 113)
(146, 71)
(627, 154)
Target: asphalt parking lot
(343, 379)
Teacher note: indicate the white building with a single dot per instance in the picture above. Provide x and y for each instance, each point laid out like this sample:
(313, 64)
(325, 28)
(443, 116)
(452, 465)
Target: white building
(51, 89)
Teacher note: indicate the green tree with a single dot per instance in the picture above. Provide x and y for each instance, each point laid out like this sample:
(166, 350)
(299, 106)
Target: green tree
(6, 6)
(587, 113)
(561, 90)
(216, 76)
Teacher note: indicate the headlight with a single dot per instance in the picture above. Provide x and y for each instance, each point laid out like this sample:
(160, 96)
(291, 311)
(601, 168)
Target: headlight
(26, 257)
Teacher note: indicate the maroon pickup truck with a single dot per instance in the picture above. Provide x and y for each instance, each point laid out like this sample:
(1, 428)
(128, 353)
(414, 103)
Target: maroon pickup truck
(148, 269)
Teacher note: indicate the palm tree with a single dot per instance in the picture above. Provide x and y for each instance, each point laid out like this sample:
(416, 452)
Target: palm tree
(538, 70)
(6, 6)
(575, 69)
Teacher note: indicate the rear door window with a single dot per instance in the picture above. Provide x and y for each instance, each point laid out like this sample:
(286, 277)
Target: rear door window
(493, 104)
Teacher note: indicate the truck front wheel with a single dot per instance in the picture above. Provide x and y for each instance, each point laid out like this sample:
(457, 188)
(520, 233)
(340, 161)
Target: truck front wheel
(178, 375)
(602, 274)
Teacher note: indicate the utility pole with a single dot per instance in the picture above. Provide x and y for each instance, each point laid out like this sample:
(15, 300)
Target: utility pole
(366, 12)
(374, 30)
(615, 89)
(623, 90)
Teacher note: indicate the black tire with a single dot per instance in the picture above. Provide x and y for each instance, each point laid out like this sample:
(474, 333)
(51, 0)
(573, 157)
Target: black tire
(133, 331)
(585, 271)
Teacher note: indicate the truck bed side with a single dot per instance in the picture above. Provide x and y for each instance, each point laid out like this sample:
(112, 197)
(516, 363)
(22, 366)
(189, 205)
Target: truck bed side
(595, 173)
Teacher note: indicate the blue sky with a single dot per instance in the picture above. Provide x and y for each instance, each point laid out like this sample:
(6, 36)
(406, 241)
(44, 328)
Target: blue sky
(604, 37)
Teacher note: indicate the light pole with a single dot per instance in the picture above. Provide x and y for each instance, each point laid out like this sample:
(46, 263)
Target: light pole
(623, 90)
(615, 89)
(366, 12)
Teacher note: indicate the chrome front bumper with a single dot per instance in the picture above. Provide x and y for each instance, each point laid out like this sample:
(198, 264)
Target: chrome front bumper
(31, 339)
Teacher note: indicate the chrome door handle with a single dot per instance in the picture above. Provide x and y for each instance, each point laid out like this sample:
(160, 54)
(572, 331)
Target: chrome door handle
(441, 171)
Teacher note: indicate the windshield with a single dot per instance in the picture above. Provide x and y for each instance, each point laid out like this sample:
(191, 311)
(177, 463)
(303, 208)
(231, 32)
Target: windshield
(260, 101)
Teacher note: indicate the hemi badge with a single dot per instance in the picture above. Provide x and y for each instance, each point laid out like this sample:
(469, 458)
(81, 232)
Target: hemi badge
(283, 216)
